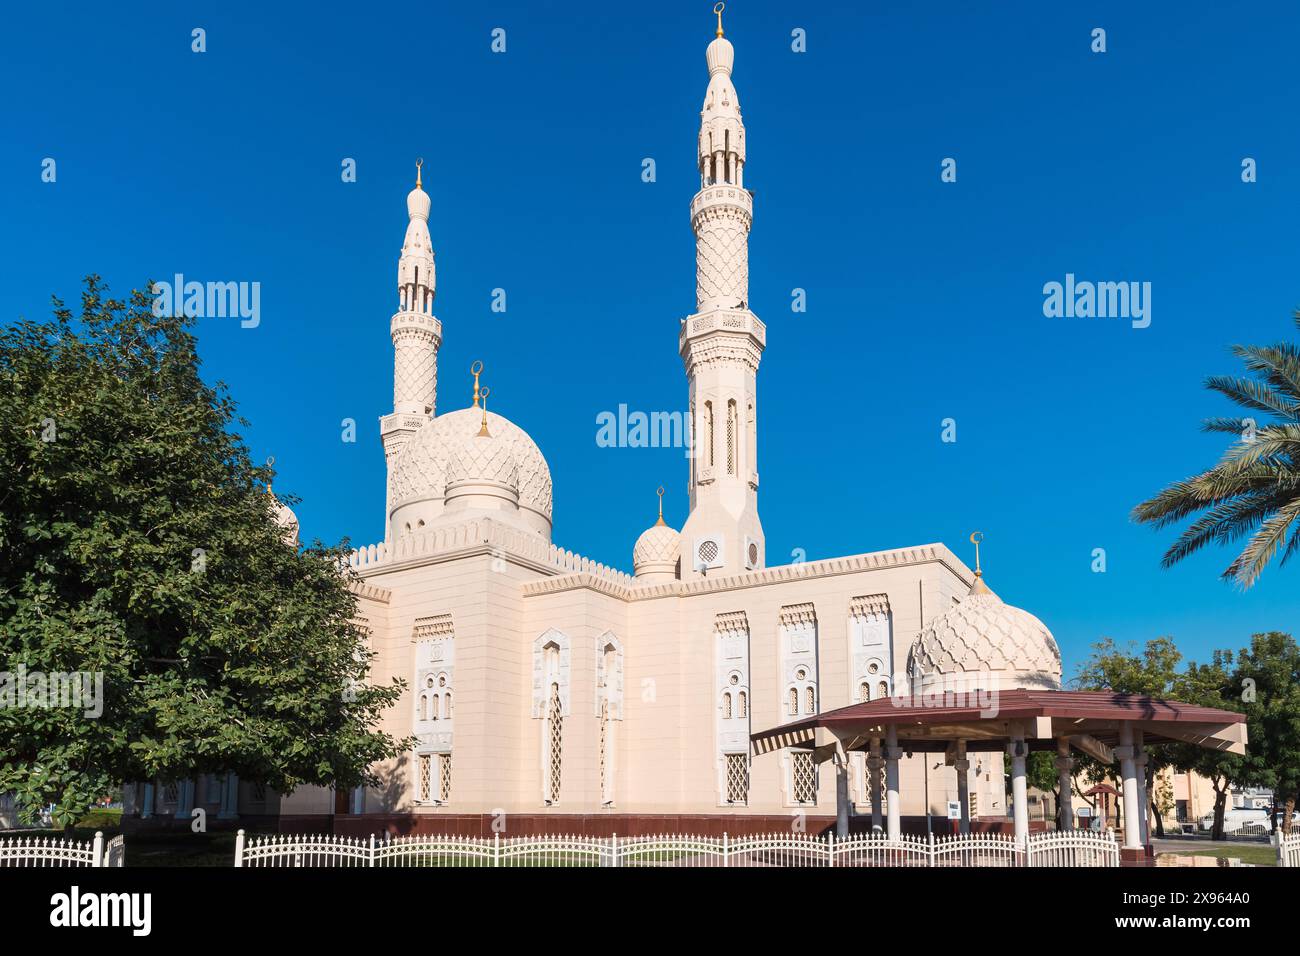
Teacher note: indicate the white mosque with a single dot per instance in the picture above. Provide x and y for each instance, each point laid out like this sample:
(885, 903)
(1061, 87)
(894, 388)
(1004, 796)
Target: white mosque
(542, 684)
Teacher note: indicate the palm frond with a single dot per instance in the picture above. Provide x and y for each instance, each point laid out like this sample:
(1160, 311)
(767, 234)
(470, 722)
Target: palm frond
(1263, 545)
(1252, 394)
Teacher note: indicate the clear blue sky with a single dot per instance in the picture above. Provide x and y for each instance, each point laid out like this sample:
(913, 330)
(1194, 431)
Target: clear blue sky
(924, 298)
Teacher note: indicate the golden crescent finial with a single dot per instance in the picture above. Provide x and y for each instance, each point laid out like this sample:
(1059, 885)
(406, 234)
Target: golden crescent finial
(976, 537)
(476, 370)
(718, 8)
(483, 432)
(660, 492)
(418, 163)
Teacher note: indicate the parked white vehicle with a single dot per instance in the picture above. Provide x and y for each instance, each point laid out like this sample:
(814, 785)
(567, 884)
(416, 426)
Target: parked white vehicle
(1234, 818)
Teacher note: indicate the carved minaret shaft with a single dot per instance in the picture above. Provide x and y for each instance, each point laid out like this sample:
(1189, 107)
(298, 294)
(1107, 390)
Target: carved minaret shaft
(417, 334)
(722, 343)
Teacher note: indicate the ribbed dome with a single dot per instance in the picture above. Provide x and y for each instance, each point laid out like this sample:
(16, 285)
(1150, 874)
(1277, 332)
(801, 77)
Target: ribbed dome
(424, 468)
(982, 634)
(285, 518)
(656, 551)
(417, 204)
(721, 56)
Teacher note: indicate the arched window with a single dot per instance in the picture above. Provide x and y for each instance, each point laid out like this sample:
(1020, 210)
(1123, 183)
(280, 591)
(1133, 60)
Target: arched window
(810, 697)
(864, 692)
(555, 719)
(744, 704)
(708, 431)
(884, 689)
(731, 437)
(726, 706)
(794, 701)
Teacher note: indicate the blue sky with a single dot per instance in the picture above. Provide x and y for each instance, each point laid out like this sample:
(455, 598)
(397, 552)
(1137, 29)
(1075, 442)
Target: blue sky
(924, 299)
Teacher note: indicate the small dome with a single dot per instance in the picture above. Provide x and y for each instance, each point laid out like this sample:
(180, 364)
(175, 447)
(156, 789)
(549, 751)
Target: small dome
(721, 55)
(656, 552)
(285, 518)
(417, 204)
(982, 634)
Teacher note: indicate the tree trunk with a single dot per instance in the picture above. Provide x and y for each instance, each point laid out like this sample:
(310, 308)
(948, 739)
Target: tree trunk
(1151, 799)
(1220, 801)
(1288, 809)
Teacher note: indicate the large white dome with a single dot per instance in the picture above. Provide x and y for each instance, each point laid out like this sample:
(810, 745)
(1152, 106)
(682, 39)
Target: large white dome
(447, 451)
(982, 634)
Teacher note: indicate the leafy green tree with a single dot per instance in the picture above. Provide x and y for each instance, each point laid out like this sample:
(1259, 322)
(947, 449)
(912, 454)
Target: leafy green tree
(1210, 685)
(1150, 673)
(1266, 682)
(138, 543)
(1253, 493)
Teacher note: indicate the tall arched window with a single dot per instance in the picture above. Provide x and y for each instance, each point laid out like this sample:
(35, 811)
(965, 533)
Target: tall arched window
(555, 718)
(731, 437)
(708, 431)
(744, 704)
(726, 706)
(794, 701)
(811, 700)
(864, 692)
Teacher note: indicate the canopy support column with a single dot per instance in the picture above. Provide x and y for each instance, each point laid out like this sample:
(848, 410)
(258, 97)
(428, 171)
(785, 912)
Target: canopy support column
(1019, 790)
(874, 763)
(841, 792)
(892, 754)
(1065, 781)
(1144, 804)
(963, 785)
(1128, 774)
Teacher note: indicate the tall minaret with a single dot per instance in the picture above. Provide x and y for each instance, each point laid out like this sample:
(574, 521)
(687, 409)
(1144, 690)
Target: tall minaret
(721, 344)
(416, 333)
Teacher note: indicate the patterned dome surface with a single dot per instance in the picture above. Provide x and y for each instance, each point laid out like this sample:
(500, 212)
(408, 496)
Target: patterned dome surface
(657, 545)
(981, 633)
(421, 472)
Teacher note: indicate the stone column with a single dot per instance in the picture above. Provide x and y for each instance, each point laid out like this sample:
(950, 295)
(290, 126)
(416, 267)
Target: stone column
(841, 793)
(1144, 802)
(892, 755)
(1065, 780)
(185, 799)
(1128, 774)
(962, 765)
(1019, 791)
(874, 763)
(147, 808)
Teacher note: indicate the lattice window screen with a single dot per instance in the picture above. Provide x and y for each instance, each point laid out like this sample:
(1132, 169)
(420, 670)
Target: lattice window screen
(804, 774)
(424, 773)
(557, 744)
(444, 777)
(737, 778)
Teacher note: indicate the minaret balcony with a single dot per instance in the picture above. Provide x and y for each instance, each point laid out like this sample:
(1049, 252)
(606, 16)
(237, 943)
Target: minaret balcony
(723, 194)
(725, 321)
(409, 319)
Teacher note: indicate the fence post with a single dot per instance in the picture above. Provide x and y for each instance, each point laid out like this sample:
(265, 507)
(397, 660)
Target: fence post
(496, 848)
(1028, 844)
(1277, 846)
(830, 849)
(97, 849)
(613, 850)
(726, 851)
(372, 850)
(929, 853)
(239, 848)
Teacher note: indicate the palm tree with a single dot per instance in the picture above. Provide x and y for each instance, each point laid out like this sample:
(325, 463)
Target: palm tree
(1254, 490)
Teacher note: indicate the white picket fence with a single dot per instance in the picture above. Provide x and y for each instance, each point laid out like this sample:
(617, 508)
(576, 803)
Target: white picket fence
(1066, 848)
(1288, 849)
(58, 851)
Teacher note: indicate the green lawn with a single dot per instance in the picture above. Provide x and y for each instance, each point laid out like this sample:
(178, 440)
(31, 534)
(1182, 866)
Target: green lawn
(1263, 855)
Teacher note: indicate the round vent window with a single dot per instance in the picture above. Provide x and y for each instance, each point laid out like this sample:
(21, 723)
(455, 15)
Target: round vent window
(753, 553)
(873, 668)
(735, 678)
(709, 552)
